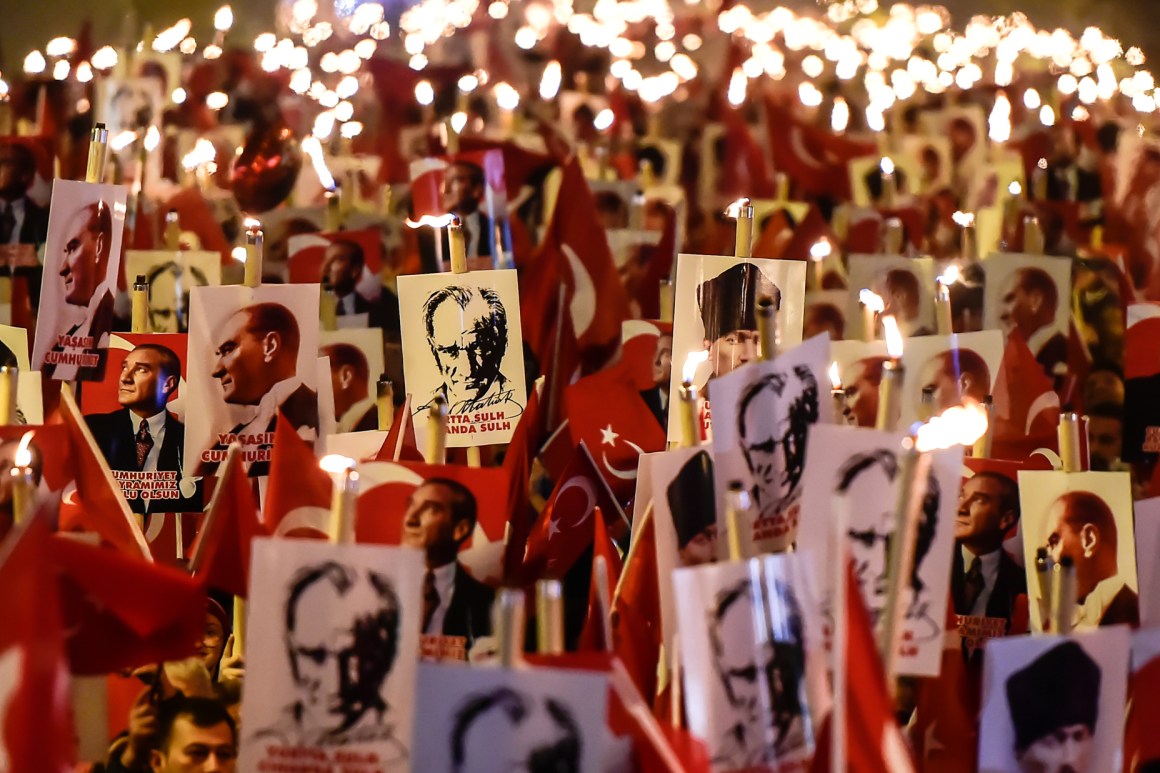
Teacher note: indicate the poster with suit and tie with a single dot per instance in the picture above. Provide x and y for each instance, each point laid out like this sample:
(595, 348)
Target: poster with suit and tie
(137, 416)
(253, 354)
(82, 260)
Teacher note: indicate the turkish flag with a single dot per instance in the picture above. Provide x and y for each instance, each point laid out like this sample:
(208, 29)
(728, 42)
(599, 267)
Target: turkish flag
(636, 611)
(813, 157)
(221, 555)
(1026, 406)
(874, 743)
(298, 495)
(122, 612)
(400, 444)
(592, 635)
(606, 412)
(1141, 742)
(36, 732)
(304, 266)
(744, 170)
(101, 505)
(517, 464)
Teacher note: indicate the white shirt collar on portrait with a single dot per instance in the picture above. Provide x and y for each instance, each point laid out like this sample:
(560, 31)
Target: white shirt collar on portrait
(1039, 338)
(268, 406)
(1088, 613)
(354, 413)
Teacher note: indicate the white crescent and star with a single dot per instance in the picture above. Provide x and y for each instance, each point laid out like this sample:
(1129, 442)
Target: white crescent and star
(589, 503)
(609, 438)
(583, 305)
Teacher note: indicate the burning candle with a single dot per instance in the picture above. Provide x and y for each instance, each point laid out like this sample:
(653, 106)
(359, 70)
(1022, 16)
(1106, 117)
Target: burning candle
(893, 374)
(385, 402)
(968, 246)
(23, 484)
(140, 317)
(942, 299)
(742, 211)
(820, 250)
(1039, 180)
(767, 327)
(98, 149)
(666, 301)
(437, 431)
(690, 436)
(889, 183)
(872, 306)
(893, 237)
(340, 529)
(172, 231)
(437, 223)
(837, 393)
(254, 249)
(9, 380)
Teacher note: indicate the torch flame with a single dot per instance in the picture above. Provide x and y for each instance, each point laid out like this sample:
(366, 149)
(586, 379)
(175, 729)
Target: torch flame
(691, 362)
(871, 300)
(950, 276)
(152, 139)
(957, 425)
(893, 336)
(734, 209)
(122, 140)
(835, 376)
(336, 463)
(434, 221)
(964, 219)
(821, 249)
(252, 223)
(550, 81)
(887, 165)
(1015, 189)
(313, 149)
(23, 456)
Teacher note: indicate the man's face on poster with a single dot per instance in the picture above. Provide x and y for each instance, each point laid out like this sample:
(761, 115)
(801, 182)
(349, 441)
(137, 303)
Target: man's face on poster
(1060, 538)
(142, 385)
(870, 499)
(663, 359)
(944, 386)
(429, 523)
(17, 171)
(980, 510)
(769, 443)
(462, 192)
(732, 350)
(169, 299)
(743, 664)
(1017, 307)
(340, 270)
(860, 405)
(1066, 750)
(468, 349)
(701, 549)
(240, 363)
(83, 265)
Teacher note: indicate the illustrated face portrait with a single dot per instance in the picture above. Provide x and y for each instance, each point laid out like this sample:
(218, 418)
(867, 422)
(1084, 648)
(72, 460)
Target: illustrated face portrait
(980, 512)
(962, 135)
(241, 358)
(143, 384)
(429, 522)
(701, 549)
(505, 730)
(342, 267)
(1067, 750)
(468, 341)
(17, 170)
(169, 298)
(132, 107)
(85, 256)
(732, 350)
(870, 499)
(462, 188)
(860, 404)
(773, 421)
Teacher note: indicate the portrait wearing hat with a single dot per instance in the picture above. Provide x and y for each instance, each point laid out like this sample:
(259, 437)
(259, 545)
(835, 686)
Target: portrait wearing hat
(691, 501)
(728, 307)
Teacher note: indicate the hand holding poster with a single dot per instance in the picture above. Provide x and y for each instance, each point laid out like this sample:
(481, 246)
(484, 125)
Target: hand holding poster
(82, 260)
(462, 339)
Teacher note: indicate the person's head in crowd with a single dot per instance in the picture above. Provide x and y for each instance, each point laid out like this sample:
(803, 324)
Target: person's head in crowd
(1105, 435)
(955, 376)
(774, 414)
(463, 188)
(213, 640)
(860, 405)
(1028, 301)
(901, 294)
(342, 266)
(824, 318)
(1104, 384)
(728, 306)
(1055, 703)
(1080, 525)
(87, 247)
(988, 510)
(534, 733)
(440, 516)
(692, 503)
(17, 170)
(349, 375)
(468, 334)
(149, 377)
(258, 347)
(194, 735)
(342, 636)
(169, 286)
(611, 210)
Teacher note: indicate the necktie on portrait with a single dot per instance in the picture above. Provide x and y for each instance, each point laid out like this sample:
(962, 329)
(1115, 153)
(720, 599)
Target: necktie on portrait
(144, 444)
(7, 224)
(973, 585)
(430, 599)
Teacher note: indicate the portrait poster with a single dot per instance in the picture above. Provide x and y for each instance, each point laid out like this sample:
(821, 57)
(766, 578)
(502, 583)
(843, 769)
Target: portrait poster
(578, 110)
(966, 293)
(488, 720)
(764, 414)
(253, 351)
(825, 312)
(868, 183)
(715, 316)
(348, 262)
(1087, 516)
(132, 105)
(170, 276)
(471, 186)
(737, 619)
(1037, 686)
(860, 371)
(665, 157)
(14, 347)
(956, 368)
(356, 363)
(82, 260)
(1141, 743)
(137, 415)
(1147, 529)
(614, 200)
(338, 626)
(1031, 294)
(933, 154)
(462, 339)
(906, 286)
(854, 473)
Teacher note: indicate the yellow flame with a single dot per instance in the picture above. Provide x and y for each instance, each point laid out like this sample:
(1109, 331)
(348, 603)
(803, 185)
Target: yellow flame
(336, 463)
(950, 276)
(821, 249)
(835, 376)
(550, 81)
(734, 210)
(122, 140)
(23, 456)
(1015, 189)
(313, 150)
(893, 336)
(887, 165)
(691, 362)
(871, 300)
(957, 425)
(434, 221)
(964, 219)
(252, 223)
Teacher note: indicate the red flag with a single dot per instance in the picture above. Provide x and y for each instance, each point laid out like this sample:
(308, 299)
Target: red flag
(813, 157)
(1141, 742)
(1141, 355)
(221, 555)
(400, 444)
(1026, 405)
(873, 741)
(298, 496)
(194, 214)
(103, 508)
(592, 635)
(36, 732)
(517, 463)
(744, 170)
(659, 261)
(636, 611)
(123, 612)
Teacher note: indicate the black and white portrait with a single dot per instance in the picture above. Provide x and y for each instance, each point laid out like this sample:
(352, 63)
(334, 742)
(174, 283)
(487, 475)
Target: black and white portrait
(852, 478)
(253, 355)
(744, 645)
(462, 340)
(1086, 517)
(338, 627)
(715, 316)
(763, 418)
(497, 720)
(171, 276)
(1054, 704)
